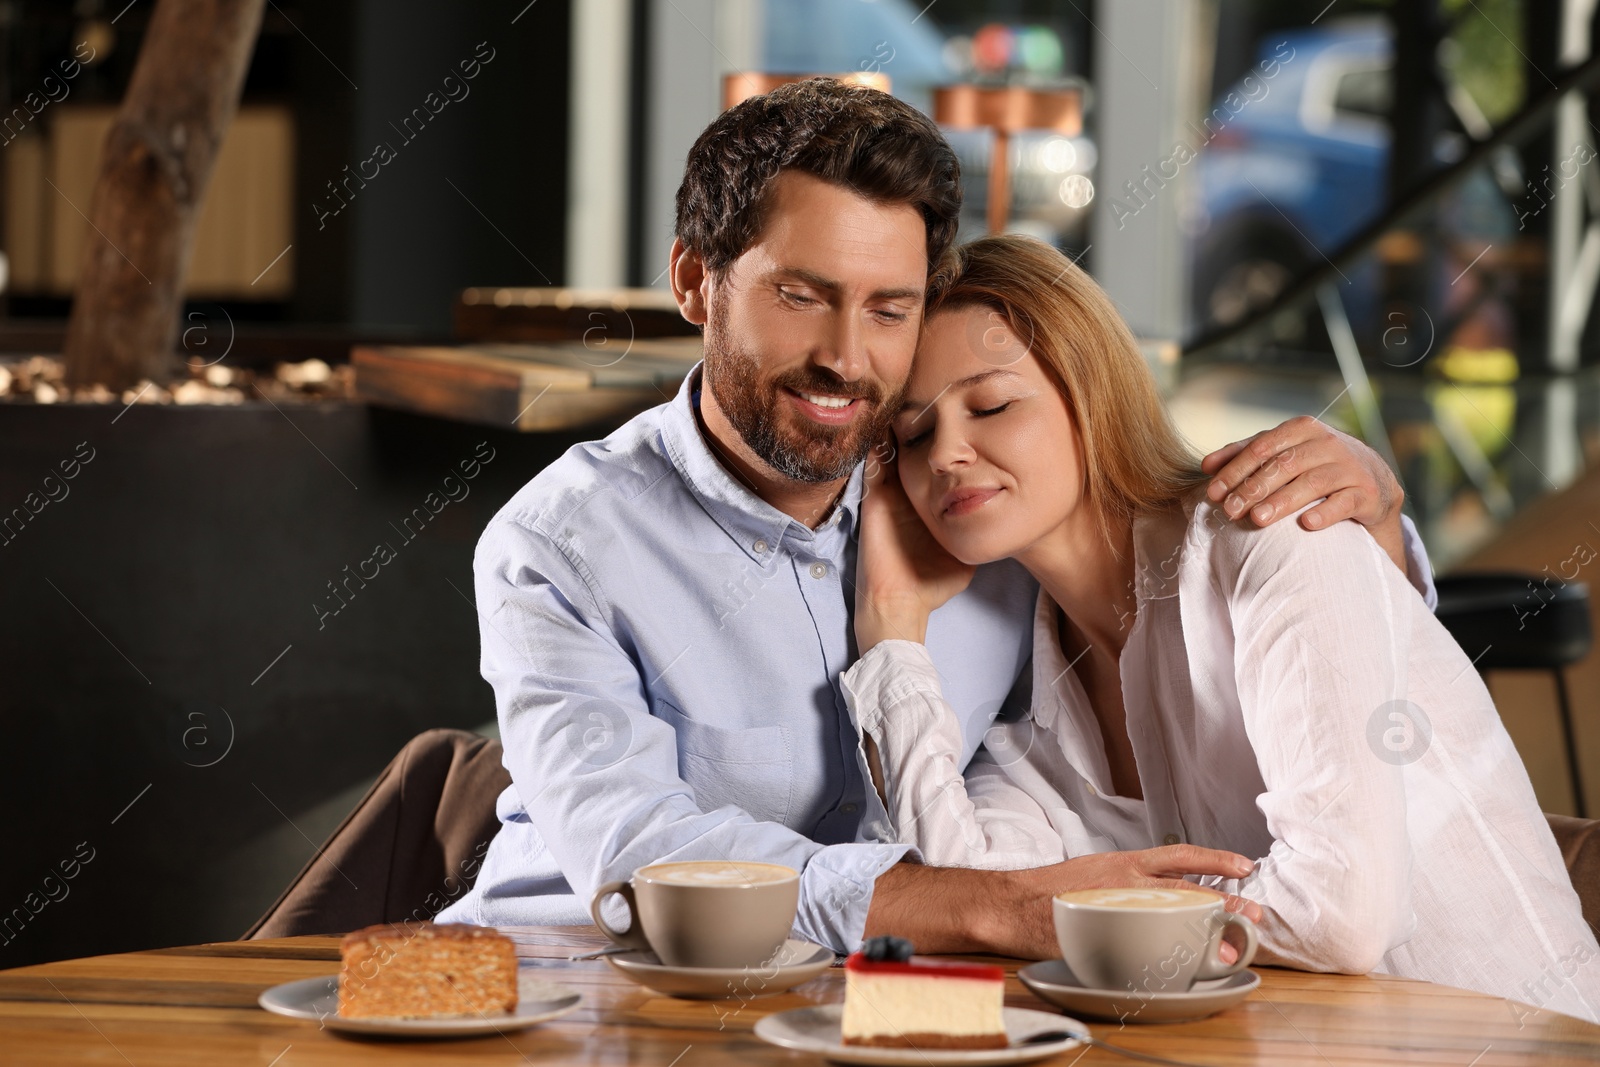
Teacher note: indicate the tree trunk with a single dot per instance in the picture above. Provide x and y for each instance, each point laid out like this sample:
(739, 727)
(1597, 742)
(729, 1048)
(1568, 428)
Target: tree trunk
(157, 162)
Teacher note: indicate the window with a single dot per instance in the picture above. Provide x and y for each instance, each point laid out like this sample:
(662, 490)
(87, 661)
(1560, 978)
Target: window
(1367, 93)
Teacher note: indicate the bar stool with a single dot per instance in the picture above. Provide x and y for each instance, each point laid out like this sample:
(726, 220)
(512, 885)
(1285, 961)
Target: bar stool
(1519, 622)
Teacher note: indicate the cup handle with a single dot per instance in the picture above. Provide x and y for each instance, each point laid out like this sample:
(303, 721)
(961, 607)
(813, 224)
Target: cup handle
(633, 936)
(1212, 966)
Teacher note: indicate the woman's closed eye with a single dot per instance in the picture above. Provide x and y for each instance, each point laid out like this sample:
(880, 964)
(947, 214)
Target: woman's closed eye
(920, 430)
(914, 435)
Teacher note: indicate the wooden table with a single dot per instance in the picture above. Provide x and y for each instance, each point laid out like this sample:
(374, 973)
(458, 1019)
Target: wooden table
(198, 1006)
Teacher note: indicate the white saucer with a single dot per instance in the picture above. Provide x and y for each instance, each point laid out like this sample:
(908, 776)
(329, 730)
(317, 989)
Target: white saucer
(1053, 981)
(816, 1030)
(796, 962)
(317, 999)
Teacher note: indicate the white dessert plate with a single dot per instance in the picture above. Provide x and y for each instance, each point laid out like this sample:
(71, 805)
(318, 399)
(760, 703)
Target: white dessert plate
(796, 962)
(1053, 980)
(317, 999)
(816, 1030)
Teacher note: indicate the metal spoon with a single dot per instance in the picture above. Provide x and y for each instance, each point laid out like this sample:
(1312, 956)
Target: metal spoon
(609, 950)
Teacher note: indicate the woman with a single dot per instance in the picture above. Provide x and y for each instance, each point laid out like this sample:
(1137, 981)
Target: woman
(1271, 692)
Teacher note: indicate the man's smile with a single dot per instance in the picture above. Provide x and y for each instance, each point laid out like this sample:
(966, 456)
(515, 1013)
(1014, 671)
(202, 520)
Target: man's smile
(826, 408)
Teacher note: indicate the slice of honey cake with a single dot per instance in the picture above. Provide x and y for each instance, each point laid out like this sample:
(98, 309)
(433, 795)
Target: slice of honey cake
(426, 969)
(895, 1000)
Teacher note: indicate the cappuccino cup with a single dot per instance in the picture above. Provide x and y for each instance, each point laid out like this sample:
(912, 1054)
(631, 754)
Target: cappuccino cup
(1149, 940)
(705, 913)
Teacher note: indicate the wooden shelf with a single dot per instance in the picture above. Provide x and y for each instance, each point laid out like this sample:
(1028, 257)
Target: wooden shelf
(554, 314)
(561, 386)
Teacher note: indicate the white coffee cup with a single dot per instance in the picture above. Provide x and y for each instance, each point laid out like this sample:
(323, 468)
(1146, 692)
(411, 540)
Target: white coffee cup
(705, 913)
(1149, 940)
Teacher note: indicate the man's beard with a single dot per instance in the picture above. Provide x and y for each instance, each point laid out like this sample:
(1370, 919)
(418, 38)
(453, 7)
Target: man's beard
(799, 449)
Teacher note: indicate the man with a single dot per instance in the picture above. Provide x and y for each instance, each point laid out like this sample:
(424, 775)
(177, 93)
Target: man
(666, 613)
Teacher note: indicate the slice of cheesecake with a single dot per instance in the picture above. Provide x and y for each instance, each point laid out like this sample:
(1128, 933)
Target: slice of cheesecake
(424, 969)
(916, 1002)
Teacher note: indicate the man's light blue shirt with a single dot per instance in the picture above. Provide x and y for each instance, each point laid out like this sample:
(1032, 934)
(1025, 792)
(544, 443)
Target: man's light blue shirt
(665, 650)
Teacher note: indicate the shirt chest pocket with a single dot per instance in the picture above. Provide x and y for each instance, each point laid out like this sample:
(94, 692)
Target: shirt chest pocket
(749, 768)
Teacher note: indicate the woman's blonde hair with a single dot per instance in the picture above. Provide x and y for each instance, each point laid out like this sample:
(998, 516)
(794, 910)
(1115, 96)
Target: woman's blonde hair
(1134, 458)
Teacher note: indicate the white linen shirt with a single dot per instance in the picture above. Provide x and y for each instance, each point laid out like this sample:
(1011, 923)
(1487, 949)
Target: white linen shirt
(1289, 697)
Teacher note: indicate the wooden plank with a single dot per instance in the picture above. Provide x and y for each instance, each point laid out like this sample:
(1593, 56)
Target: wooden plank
(548, 314)
(246, 220)
(600, 409)
(480, 395)
(531, 388)
(680, 349)
(451, 383)
(528, 370)
(609, 366)
(27, 215)
(669, 355)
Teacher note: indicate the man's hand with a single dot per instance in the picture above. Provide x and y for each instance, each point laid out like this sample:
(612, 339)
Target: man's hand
(1280, 471)
(1010, 912)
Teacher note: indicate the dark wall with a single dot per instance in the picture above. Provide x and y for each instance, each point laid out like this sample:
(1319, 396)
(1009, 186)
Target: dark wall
(142, 610)
(475, 190)
(477, 194)
(324, 118)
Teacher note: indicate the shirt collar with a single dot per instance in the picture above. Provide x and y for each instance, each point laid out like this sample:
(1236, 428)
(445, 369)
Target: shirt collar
(746, 518)
(1160, 539)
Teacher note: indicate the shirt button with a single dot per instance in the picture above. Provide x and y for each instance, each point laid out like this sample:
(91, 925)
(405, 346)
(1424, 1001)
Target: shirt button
(819, 570)
(1090, 787)
(1171, 839)
(848, 809)
(759, 546)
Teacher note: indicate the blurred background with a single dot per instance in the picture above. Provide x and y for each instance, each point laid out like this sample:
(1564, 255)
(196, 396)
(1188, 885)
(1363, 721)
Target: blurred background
(438, 232)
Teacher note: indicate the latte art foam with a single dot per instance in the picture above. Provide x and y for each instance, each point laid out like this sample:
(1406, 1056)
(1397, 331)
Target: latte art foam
(1139, 898)
(716, 873)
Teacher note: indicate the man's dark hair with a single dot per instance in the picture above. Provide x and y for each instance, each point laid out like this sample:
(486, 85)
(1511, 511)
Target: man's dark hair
(866, 140)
